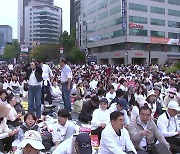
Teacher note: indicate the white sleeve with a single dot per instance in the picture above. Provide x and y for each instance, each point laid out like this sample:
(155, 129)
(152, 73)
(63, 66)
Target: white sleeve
(12, 115)
(126, 118)
(95, 119)
(162, 126)
(128, 142)
(55, 135)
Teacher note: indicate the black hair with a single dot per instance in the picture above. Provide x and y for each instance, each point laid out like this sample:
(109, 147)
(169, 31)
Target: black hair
(3, 91)
(145, 107)
(114, 115)
(101, 92)
(63, 113)
(111, 87)
(29, 113)
(143, 90)
(1, 119)
(10, 97)
(99, 82)
(119, 93)
(63, 60)
(95, 99)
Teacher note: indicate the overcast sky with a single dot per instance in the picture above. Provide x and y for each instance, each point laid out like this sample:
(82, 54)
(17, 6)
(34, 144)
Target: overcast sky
(9, 13)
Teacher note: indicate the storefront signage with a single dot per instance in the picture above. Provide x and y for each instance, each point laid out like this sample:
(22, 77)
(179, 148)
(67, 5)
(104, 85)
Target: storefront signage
(139, 54)
(133, 25)
(165, 40)
(173, 55)
(117, 54)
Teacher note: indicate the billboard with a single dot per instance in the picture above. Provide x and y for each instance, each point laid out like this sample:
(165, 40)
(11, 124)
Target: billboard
(165, 41)
(24, 48)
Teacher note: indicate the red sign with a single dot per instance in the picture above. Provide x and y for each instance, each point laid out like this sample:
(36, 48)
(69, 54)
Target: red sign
(133, 25)
(94, 140)
(117, 54)
(139, 54)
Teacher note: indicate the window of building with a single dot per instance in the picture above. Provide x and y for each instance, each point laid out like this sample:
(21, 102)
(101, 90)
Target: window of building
(158, 22)
(172, 24)
(102, 26)
(175, 2)
(137, 7)
(115, 10)
(103, 15)
(137, 46)
(118, 33)
(163, 1)
(116, 47)
(113, 1)
(102, 5)
(157, 10)
(157, 34)
(91, 29)
(174, 12)
(136, 19)
(174, 35)
(92, 10)
(173, 48)
(156, 47)
(116, 22)
(137, 32)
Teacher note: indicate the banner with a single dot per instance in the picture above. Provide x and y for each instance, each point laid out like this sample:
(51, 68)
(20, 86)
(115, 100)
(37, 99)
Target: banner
(165, 41)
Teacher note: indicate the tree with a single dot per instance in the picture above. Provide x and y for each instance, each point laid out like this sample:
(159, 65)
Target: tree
(45, 52)
(11, 50)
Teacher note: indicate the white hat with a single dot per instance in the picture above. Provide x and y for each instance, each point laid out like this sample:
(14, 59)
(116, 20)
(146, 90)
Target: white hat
(174, 105)
(151, 93)
(33, 138)
(141, 100)
(173, 90)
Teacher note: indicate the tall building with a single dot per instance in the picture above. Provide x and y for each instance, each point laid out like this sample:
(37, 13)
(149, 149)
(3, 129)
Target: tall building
(75, 11)
(5, 36)
(128, 31)
(43, 24)
(21, 15)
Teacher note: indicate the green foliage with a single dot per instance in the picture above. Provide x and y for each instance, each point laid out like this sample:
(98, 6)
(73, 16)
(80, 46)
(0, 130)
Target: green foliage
(11, 51)
(173, 69)
(76, 56)
(45, 52)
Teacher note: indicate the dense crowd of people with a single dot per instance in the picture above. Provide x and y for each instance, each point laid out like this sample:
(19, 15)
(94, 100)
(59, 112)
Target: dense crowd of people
(129, 109)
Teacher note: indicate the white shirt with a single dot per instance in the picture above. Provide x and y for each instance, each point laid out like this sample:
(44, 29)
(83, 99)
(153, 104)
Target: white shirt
(32, 79)
(59, 132)
(110, 96)
(134, 113)
(113, 108)
(168, 127)
(153, 108)
(12, 113)
(93, 84)
(111, 143)
(66, 73)
(47, 72)
(4, 129)
(99, 116)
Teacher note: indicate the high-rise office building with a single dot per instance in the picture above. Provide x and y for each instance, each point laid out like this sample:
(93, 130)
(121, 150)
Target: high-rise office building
(5, 36)
(75, 11)
(43, 24)
(128, 31)
(21, 15)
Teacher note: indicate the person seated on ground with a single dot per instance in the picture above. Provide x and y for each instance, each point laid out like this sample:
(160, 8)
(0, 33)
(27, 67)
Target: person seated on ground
(140, 101)
(100, 118)
(64, 128)
(3, 95)
(88, 109)
(129, 96)
(13, 117)
(119, 95)
(81, 91)
(123, 85)
(111, 94)
(6, 135)
(115, 138)
(31, 143)
(168, 125)
(122, 106)
(143, 131)
(101, 93)
(14, 83)
(171, 96)
(140, 91)
(80, 144)
(55, 90)
(29, 124)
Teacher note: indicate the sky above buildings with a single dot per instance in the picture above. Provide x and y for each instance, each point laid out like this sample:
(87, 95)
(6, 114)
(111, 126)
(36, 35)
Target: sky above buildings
(9, 14)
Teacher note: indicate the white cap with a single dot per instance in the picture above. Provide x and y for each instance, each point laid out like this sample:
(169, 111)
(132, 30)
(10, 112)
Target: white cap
(33, 138)
(141, 100)
(174, 105)
(151, 93)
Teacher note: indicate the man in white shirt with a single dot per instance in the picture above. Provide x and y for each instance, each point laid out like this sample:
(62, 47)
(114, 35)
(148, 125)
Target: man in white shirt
(115, 138)
(168, 125)
(46, 84)
(111, 94)
(66, 81)
(93, 83)
(64, 128)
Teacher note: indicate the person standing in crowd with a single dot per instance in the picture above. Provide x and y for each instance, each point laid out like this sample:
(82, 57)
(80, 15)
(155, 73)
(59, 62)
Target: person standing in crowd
(6, 135)
(64, 129)
(46, 84)
(66, 81)
(143, 131)
(168, 125)
(100, 118)
(88, 109)
(115, 138)
(34, 77)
